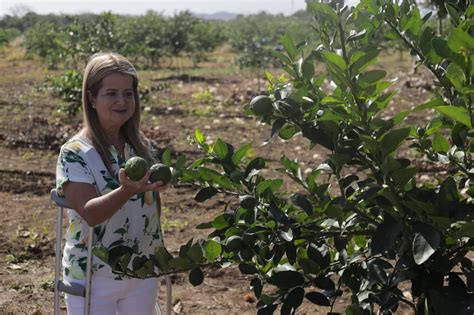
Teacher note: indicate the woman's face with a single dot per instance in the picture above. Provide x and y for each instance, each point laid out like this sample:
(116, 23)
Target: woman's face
(115, 101)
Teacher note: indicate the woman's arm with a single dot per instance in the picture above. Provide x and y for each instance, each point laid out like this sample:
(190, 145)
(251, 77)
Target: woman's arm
(95, 209)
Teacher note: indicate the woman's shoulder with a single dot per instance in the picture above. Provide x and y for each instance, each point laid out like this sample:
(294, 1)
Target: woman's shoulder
(77, 143)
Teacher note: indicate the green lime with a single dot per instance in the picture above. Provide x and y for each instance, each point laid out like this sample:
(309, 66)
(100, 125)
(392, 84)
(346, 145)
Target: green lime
(261, 105)
(160, 172)
(136, 168)
(234, 243)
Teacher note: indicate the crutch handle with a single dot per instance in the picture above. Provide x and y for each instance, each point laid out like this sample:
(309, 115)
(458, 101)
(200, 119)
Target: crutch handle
(60, 202)
(72, 288)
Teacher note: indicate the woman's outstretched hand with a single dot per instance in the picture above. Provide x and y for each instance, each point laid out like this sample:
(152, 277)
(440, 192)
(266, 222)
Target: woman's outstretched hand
(135, 187)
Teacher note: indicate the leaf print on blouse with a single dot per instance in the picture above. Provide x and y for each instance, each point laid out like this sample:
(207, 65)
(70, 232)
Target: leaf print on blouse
(73, 157)
(73, 145)
(74, 230)
(75, 272)
(115, 157)
(151, 226)
(99, 231)
(141, 197)
(111, 183)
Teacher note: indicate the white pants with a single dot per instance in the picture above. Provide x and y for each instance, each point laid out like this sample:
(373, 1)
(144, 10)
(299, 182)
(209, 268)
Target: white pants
(116, 297)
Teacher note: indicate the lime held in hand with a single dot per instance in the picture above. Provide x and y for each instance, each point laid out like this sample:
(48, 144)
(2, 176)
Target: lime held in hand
(160, 172)
(135, 168)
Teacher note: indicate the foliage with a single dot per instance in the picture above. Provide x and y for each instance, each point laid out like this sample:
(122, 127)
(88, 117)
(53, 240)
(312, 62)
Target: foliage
(362, 219)
(44, 40)
(71, 44)
(68, 87)
(144, 37)
(6, 35)
(205, 37)
(254, 38)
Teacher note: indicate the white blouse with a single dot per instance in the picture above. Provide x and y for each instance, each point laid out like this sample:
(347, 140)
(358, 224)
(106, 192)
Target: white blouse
(136, 225)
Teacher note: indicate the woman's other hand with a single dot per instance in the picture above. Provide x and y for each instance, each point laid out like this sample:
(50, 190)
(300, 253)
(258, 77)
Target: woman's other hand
(135, 187)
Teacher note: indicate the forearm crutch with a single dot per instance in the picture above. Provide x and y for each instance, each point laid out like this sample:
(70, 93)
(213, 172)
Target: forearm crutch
(167, 277)
(59, 285)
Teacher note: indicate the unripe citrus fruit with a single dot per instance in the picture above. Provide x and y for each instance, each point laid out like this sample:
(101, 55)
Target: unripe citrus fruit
(160, 172)
(135, 168)
(234, 243)
(261, 105)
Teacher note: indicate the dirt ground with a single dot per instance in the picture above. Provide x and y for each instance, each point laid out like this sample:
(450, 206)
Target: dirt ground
(32, 129)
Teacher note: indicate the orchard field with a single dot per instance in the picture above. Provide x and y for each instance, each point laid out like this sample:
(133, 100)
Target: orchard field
(182, 97)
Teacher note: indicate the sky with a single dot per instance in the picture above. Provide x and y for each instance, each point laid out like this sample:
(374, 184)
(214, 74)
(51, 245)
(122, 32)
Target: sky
(165, 6)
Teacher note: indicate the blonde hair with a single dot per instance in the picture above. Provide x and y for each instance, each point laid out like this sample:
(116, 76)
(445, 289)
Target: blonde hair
(101, 65)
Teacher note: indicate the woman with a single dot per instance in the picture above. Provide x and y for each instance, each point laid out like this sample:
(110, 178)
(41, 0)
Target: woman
(91, 177)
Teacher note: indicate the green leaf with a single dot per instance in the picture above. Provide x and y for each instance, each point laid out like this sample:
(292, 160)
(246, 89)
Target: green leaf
(205, 193)
(101, 252)
(456, 75)
(212, 250)
(440, 144)
(456, 113)
(318, 298)
(402, 176)
(356, 36)
(430, 104)
(386, 235)
(272, 184)
(324, 10)
(324, 282)
(466, 230)
(256, 164)
(301, 202)
(199, 136)
(162, 257)
(459, 40)
(220, 222)
(332, 100)
(371, 77)
(289, 46)
(180, 162)
(334, 59)
(287, 279)
(196, 277)
(294, 298)
(307, 69)
(247, 269)
(268, 309)
(195, 253)
(287, 132)
(362, 60)
(453, 13)
(179, 263)
(393, 139)
(220, 148)
(413, 24)
(360, 240)
(425, 243)
(166, 157)
(283, 58)
(240, 153)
